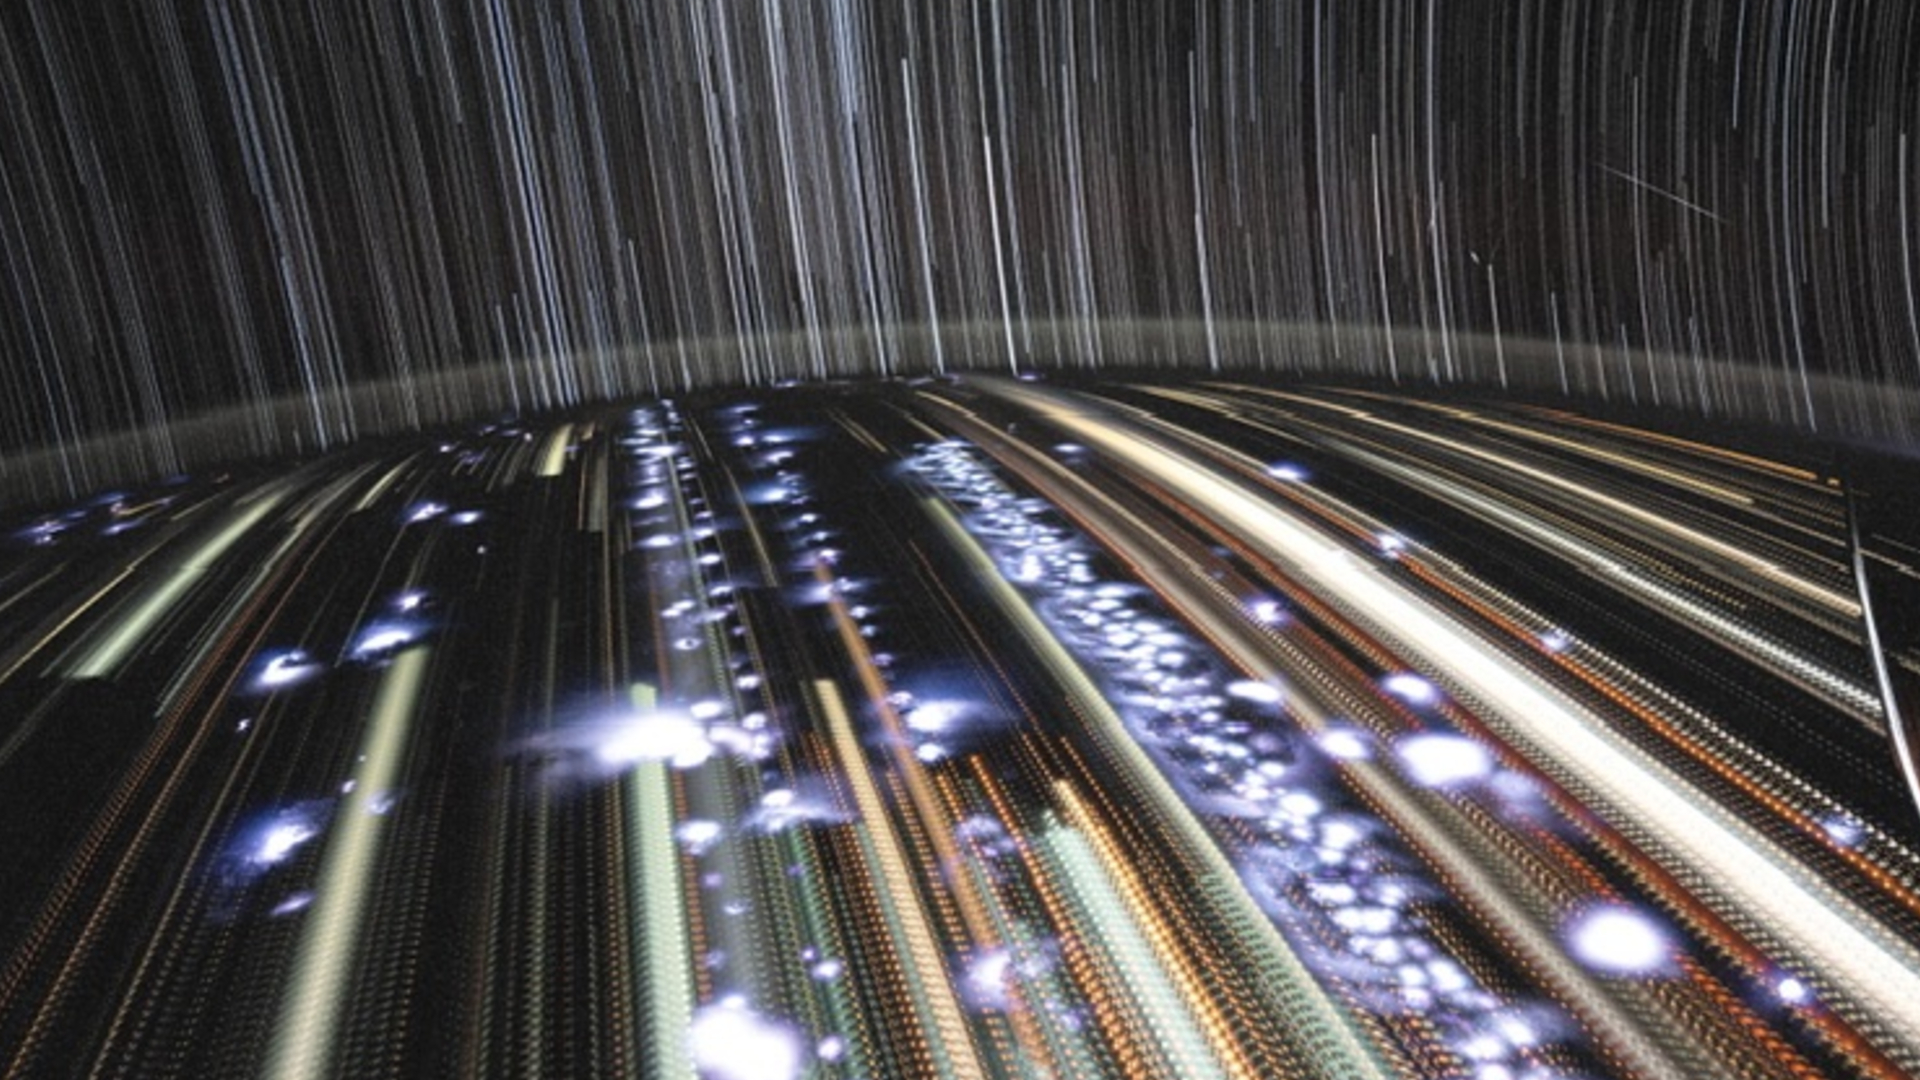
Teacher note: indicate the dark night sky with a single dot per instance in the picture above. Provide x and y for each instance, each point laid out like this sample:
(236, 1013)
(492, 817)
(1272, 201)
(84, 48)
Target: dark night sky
(224, 202)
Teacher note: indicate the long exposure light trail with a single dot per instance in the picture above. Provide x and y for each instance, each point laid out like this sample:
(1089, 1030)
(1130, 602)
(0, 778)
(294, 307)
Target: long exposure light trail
(331, 940)
(1869, 966)
(955, 728)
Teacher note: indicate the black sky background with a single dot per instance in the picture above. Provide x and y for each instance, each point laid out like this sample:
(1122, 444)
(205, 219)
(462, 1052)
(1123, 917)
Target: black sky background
(204, 204)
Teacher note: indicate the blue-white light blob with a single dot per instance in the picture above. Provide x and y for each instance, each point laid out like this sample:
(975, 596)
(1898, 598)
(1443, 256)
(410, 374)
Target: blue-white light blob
(1440, 761)
(1345, 744)
(729, 1041)
(285, 669)
(382, 639)
(1616, 939)
(1410, 688)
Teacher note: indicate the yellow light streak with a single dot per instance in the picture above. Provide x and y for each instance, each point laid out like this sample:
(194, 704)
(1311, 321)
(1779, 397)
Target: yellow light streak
(1874, 972)
(307, 1035)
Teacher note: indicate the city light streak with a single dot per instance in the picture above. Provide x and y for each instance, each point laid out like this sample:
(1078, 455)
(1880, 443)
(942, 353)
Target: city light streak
(307, 1036)
(1877, 971)
(964, 727)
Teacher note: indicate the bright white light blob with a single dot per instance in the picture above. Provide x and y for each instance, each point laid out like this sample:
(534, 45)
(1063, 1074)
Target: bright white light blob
(1345, 744)
(784, 808)
(1258, 692)
(1843, 829)
(1267, 612)
(770, 495)
(729, 1041)
(656, 735)
(1286, 470)
(381, 639)
(296, 902)
(1437, 760)
(934, 717)
(1410, 688)
(985, 982)
(285, 669)
(277, 840)
(698, 835)
(1792, 991)
(1618, 940)
(425, 511)
(281, 840)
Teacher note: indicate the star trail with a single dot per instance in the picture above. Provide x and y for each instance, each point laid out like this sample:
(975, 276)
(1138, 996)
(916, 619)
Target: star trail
(320, 221)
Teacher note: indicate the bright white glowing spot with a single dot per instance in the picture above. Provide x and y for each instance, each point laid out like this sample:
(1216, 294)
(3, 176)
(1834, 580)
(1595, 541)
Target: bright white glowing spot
(1267, 612)
(934, 716)
(425, 511)
(827, 970)
(410, 600)
(729, 1041)
(382, 638)
(1842, 830)
(465, 517)
(1390, 544)
(784, 808)
(1618, 940)
(1345, 744)
(1340, 835)
(930, 753)
(1410, 688)
(986, 979)
(1792, 990)
(655, 736)
(697, 835)
(298, 901)
(1516, 1030)
(1286, 470)
(707, 710)
(1262, 693)
(652, 500)
(1434, 760)
(286, 669)
(281, 839)
(831, 1048)
(1555, 641)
